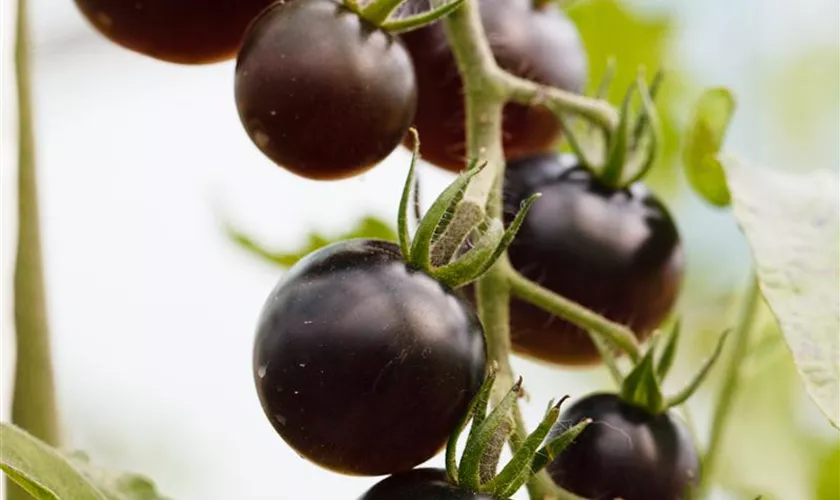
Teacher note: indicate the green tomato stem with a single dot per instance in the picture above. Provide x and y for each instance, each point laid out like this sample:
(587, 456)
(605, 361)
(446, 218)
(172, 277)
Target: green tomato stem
(33, 404)
(731, 382)
(559, 101)
(617, 334)
(485, 97)
(378, 11)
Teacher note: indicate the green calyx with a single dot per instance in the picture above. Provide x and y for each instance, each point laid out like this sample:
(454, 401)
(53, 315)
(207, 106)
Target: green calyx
(478, 469)
(624, 155)
(455, 242)
(381, 14)
(642, 385)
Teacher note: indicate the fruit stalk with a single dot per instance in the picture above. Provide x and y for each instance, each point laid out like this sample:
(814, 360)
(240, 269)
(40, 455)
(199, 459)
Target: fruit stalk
(618, 335)
(33, 403)
(485, 99)
(731, 380)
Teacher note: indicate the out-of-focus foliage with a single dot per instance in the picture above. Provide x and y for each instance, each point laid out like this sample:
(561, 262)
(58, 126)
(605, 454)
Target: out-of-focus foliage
(804, 96)
(703, 139)
(367, 227)
(828, 476)
(48, 474)
(791, 223)
(612, 30)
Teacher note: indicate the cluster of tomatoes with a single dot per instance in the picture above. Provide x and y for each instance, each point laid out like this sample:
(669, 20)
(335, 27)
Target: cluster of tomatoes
(365, 365)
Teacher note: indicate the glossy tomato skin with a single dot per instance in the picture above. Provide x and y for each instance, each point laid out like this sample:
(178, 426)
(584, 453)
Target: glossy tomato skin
(420, 484)
(322, 92)
(625, 453)
(180, 31)
(363, 365)
(542, 45)
(617, 252)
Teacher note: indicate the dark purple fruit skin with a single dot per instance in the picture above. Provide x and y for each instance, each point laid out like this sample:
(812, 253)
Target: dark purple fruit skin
(541, 44)
(179, 31)
(420, 484)
(616, 252)
(321, 92)
(625, 453)
(363, 365)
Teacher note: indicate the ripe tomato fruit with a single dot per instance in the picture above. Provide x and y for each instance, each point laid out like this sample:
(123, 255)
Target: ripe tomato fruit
(625, 453)
(181, 31)
(420, 484)
(364, 365)
(616, 252)
(322, 92)
(540, 44)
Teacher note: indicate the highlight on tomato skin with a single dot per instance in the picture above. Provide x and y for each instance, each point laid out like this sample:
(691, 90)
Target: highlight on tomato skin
(178, 31)
(538, 43)
(420, 484)
(321, 92)
(363, 365)
(615, 251)
(626, 453)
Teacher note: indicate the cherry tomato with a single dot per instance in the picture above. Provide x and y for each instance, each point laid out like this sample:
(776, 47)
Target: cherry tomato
(363, 365)
(540, 44)
(420, 484)
(180, 31)
(616, 252)
(322, 92)
(625, 453)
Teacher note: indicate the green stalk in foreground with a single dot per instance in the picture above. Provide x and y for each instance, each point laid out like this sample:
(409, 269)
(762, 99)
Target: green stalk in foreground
(33, 404)
(485, 98)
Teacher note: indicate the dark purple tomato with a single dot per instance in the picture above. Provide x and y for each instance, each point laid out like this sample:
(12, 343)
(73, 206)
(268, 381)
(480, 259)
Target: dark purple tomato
(625, 453)
(180, 31)
(540, 44)
(420, 484)
(322, 92)
(364, 365)
(616, 252)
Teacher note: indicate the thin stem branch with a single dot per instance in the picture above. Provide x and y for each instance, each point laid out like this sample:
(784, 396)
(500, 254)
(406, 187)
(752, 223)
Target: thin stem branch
(33, 404)
(617, 334)
(559, 101)
(731, 381)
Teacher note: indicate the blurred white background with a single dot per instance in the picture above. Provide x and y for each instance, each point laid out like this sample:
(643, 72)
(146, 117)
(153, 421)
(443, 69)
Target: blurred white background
(152, 309)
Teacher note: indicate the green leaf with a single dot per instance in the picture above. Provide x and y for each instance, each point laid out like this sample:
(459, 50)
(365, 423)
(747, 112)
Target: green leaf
(703, 139)
(116, 486)
(791, 223)
(47, 474)
(368, 227)
(641, 387)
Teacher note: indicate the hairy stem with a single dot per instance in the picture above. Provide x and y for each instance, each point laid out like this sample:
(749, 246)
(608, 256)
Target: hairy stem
(33, 404)
(618, 335)
(485, 97)
(559, 101)
(731, 380)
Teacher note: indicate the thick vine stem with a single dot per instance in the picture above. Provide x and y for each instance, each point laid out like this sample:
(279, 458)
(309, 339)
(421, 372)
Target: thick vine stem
(617, 334)
(485, 97)
(33, 403)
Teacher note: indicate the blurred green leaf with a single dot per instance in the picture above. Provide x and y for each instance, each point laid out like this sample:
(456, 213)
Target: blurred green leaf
(121, 486)
(703, 139)
(791, 223)
(611, 29)
(828, 477)
(367, 227)
(47, 474)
